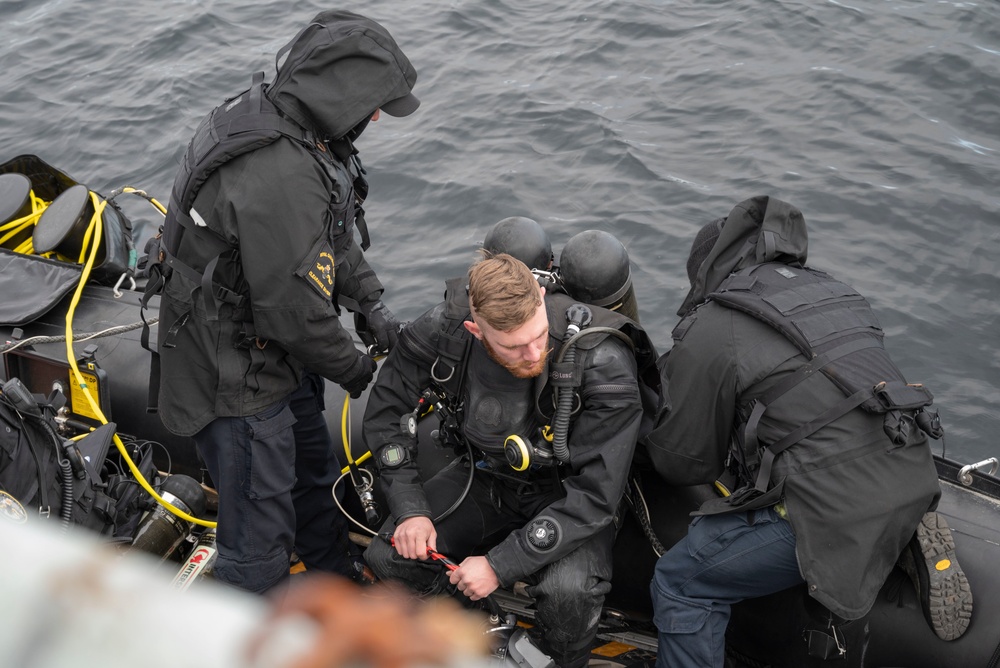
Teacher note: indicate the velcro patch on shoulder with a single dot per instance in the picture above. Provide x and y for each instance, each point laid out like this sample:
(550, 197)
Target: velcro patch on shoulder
(319, 269)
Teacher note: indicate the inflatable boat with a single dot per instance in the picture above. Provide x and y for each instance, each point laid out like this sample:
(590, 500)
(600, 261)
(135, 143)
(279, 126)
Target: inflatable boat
(72, 340)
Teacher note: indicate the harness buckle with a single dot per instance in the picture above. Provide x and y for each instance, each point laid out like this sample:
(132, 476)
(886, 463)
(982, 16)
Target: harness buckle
(243, 341)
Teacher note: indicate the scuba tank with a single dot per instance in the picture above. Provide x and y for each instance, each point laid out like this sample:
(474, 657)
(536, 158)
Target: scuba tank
(521, 238)
(160, 532)
(594, 268)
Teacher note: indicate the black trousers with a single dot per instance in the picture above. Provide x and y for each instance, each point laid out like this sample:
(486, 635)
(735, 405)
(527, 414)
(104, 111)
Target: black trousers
(569, 593)
(274, 472)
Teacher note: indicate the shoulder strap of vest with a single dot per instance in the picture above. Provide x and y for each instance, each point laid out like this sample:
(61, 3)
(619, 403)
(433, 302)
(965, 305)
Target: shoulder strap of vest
(751, 444)
(344, 149)
(842, 329)
(453, 341)
(242, 124)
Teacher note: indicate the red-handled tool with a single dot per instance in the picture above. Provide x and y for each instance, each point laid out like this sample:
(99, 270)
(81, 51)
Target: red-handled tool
(491, 603)
(436, 556)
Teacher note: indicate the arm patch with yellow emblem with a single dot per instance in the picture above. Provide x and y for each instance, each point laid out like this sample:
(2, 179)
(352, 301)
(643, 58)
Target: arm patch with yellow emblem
(318, 269)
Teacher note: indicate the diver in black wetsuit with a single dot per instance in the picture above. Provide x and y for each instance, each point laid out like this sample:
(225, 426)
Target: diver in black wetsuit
(548, 523)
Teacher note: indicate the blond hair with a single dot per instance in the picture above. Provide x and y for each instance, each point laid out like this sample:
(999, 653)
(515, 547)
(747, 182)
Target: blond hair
(503, 292)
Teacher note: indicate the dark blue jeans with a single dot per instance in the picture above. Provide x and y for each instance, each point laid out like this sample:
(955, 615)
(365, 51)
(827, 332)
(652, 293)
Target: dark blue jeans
(723, 559)
(274, 472)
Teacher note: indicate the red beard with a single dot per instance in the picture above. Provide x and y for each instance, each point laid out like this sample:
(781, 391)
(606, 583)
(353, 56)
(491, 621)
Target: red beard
(521, 369)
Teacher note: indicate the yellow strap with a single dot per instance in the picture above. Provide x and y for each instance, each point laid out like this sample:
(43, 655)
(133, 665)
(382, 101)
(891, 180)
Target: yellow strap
(38, 206)
(95, 230)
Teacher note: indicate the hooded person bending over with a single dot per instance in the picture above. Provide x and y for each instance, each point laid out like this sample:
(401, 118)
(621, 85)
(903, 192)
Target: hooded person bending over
(258, 254)
(535, 513)
(779, 371)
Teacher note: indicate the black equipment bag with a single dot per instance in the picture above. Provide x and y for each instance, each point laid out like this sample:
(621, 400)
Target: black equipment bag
(43, 478)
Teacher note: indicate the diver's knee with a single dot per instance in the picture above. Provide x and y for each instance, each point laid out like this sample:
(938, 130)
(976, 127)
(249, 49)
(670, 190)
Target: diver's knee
(379, 557)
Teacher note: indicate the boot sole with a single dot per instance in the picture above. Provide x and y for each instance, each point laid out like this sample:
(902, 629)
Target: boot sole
(944, 590)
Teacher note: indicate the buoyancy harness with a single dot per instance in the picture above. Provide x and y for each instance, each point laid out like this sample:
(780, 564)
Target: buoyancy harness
(45, 476)
(241, 124)
(835, 328)
(448, 353)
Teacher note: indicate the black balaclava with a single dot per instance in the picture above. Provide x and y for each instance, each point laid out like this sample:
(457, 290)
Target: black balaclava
(702, 246)
(355, 132)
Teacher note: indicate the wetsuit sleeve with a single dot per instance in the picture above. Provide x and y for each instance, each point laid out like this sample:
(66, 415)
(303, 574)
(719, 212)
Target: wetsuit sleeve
(702, 383)
(404, 374)
(601, 443)
(284, 221)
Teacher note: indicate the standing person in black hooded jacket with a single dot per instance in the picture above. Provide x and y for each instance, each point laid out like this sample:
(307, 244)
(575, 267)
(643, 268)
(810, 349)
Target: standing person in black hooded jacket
(259, 254)
(779, 371)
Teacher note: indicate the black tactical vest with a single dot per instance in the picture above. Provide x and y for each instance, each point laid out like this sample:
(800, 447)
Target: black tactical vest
(835, 328)
(242, 124)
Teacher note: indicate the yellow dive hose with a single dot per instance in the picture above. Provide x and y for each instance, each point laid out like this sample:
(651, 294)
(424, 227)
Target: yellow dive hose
(93, 239)
(345, 436)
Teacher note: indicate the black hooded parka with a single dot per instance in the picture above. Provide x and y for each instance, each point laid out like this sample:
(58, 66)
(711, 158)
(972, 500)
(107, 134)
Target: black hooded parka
(283, 214)
(852, 495)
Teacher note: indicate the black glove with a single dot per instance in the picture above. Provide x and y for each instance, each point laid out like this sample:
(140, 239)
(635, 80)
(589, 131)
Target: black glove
(377, 326)
(357, 385)
(150, 257)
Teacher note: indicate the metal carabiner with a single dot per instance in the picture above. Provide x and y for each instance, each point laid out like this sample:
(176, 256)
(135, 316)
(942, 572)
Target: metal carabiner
(965, 475)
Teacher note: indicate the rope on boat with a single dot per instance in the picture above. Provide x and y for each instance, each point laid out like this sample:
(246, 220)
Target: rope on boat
(112, 331)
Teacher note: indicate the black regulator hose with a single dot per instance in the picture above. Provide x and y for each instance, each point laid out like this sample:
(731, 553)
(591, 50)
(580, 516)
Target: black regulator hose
(66, 473)
(465, 491)
(579, 316)
(66, 512)
(560, 422)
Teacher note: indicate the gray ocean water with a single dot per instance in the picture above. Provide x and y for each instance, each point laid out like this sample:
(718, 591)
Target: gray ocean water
(878, 118)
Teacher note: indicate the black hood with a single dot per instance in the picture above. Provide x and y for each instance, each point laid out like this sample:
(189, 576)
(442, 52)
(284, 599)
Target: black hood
(338, 71)
(758, 230)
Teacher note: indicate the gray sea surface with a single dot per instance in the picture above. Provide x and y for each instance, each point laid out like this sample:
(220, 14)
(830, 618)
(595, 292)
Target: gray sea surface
(878, 118)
